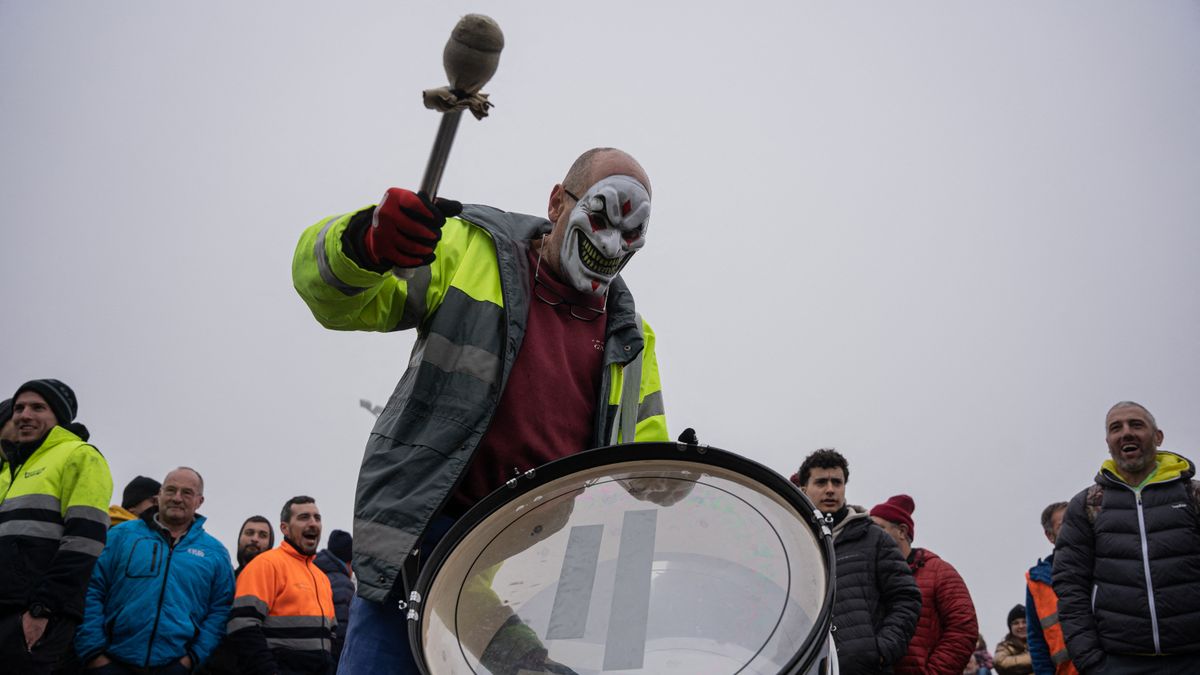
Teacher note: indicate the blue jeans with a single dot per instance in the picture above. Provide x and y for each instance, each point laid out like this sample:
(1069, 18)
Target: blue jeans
(377, 642)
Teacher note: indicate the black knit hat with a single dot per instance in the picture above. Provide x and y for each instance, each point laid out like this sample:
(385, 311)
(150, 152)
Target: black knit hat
(1015, 613)
(138, 490)
(5, 411)
(59, 397)
(341, 545)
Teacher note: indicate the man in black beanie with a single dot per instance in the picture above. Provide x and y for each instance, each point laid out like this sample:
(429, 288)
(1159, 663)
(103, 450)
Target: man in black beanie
(46, 557)
(140, 494)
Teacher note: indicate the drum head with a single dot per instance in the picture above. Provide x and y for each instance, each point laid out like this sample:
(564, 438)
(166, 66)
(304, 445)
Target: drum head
(641, 558)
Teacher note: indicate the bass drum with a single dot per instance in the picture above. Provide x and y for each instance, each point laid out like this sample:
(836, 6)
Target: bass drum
(657, 558)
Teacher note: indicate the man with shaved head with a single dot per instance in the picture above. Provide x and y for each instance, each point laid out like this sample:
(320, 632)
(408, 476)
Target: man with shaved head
(529, 348)
(1127, 558)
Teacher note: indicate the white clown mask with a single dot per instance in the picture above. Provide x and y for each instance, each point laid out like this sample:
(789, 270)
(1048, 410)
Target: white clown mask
(604, 230)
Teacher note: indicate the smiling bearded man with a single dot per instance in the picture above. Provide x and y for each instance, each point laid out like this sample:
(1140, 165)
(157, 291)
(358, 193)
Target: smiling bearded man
(1127, 558)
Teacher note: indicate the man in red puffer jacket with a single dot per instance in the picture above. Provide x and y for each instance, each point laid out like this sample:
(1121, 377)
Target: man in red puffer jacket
(947, 629)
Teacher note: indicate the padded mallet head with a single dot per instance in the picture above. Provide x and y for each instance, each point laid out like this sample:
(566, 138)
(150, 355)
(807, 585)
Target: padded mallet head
(473, 52)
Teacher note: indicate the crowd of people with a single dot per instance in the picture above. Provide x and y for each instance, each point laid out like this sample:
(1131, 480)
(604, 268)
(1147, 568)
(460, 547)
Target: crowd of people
(140, 587)
(529, 348)
(1118, 594)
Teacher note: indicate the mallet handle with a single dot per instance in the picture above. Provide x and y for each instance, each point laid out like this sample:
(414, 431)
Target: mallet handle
(440, 153)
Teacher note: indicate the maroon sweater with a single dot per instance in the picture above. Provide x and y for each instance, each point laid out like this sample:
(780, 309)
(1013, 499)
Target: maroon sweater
(548, 406)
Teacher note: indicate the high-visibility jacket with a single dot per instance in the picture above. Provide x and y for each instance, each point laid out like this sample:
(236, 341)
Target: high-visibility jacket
(53, 521)
(1047, 644)
(469, 308)
(283, 616)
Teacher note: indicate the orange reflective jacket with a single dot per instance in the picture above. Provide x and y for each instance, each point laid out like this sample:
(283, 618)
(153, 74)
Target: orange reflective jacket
(282, 614)
(1045, 602)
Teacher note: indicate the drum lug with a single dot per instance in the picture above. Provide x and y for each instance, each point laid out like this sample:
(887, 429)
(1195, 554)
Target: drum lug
(413, 605)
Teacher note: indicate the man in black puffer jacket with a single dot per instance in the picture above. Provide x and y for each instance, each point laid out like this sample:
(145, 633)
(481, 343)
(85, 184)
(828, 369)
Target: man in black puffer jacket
(877, 600)
(1127, 559)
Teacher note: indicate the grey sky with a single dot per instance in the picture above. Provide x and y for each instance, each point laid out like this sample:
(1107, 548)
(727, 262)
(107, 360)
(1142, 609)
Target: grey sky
(942, 238)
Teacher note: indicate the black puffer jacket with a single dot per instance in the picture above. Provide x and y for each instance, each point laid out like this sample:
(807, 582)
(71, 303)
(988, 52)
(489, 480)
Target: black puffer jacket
(1106, 603)
(877, 602)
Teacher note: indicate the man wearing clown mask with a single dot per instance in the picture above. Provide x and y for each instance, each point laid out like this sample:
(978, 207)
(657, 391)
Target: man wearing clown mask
(528, 349)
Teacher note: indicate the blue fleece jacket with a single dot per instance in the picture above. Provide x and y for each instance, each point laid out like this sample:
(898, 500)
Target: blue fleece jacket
(149, 603)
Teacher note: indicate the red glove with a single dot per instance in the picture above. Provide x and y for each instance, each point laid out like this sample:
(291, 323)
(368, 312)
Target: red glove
(406, 227)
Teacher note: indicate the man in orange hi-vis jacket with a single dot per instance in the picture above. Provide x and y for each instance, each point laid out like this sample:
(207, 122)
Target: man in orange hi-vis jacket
(282, 618)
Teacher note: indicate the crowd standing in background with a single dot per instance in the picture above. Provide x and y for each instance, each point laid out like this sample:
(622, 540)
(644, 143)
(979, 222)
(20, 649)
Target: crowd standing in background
(158, 595)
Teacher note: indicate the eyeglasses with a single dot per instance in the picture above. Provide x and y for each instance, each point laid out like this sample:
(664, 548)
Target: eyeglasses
(551, 297)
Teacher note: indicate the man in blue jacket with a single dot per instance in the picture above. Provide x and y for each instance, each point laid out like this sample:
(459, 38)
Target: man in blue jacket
(160, 593)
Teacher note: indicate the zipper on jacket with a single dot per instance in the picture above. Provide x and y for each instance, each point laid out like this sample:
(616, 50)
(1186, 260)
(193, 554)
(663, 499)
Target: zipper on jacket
(317, 593)
(158, 610)
(1146, 567)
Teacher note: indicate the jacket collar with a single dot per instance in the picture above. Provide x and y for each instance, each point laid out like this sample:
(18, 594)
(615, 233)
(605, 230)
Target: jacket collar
(1170, 467)
(286, 547)
(18, 453)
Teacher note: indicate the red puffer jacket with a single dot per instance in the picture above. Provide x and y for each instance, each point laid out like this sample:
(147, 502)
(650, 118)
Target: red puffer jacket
(947, 629)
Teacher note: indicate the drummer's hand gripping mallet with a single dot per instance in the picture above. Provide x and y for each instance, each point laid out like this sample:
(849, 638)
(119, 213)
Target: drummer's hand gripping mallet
(470, 59)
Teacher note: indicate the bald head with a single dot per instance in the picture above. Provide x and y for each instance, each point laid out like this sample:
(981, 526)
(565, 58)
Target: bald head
(599, 163)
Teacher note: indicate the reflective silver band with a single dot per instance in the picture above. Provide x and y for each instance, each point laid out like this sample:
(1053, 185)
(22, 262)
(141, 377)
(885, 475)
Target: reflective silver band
(463, 359)
(1049, 620)
(296, 622)
(82, 545)
(89, 513)
(252, 601)
(240, 622)
(414, 298)
(35, 501)
(299, 644)
(326, 272)
(31, 528)
(377, 540)
(649, 407)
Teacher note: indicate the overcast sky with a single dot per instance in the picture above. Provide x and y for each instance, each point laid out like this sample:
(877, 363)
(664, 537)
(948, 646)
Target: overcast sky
(941, 237)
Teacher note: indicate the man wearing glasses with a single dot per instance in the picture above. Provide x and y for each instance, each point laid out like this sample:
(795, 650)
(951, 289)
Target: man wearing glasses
(528, 349)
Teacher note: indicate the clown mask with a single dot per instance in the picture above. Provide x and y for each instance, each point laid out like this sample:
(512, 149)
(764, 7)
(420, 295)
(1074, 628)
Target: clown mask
(604, 230)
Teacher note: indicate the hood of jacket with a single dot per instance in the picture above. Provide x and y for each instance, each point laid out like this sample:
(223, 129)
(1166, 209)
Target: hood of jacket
(1170, 467)
(855, 523)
